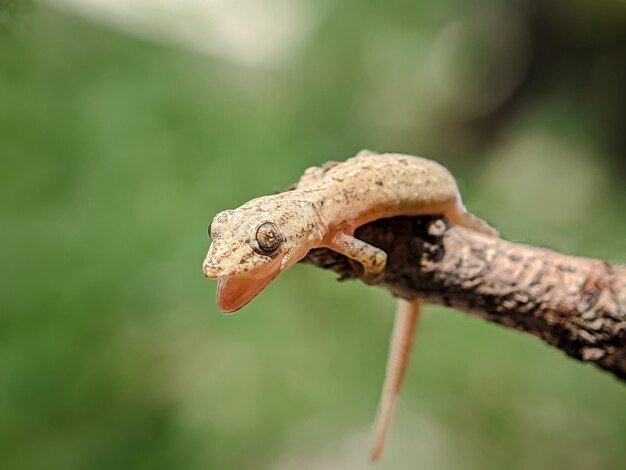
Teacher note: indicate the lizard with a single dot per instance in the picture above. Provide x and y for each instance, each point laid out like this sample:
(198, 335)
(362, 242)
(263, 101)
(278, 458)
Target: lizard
(253, 244)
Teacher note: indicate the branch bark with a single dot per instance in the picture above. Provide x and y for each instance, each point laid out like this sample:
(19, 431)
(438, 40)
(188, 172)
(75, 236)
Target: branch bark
(575, 304)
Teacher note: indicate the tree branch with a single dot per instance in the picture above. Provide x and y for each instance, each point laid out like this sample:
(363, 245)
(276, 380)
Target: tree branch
(575, 304)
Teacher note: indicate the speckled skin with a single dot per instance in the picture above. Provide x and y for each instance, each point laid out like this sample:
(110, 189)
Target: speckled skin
(323, 210)
(373, 186)
(326, 206)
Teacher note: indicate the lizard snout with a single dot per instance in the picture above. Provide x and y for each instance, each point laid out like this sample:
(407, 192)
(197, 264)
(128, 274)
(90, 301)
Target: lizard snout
(215, 267)
(211, 267)
(209, 271)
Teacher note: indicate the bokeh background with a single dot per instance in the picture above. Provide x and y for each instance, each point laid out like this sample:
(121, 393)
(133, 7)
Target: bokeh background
(126, 125)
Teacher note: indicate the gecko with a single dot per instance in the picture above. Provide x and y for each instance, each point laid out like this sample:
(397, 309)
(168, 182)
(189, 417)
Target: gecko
(253, 244)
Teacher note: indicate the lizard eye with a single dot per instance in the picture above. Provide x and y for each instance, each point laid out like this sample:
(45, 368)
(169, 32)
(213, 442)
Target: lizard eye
(268, 237)
(214, 229)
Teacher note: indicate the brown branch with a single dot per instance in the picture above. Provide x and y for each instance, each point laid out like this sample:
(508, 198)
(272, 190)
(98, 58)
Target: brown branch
(575, 304)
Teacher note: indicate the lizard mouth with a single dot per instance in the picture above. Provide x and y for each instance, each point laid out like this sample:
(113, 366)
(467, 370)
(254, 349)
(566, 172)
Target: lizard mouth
(234, 292)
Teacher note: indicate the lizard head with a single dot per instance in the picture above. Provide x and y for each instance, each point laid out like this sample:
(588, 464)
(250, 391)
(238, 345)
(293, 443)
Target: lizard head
(254, 243)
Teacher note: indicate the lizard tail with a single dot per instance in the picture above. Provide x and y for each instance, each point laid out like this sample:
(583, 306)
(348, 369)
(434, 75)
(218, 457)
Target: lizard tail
(407, 315)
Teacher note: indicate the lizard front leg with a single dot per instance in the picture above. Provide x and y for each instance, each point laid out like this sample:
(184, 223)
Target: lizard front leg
(407, 316)
(371, 258)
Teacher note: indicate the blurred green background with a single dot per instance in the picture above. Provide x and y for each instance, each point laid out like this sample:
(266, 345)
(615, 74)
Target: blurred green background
(119, 140)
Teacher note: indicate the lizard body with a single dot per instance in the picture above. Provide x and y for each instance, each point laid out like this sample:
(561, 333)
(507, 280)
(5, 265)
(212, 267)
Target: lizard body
(257, 241)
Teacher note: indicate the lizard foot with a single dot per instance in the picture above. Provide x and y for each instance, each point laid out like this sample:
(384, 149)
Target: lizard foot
(372, 259)
(373, 278)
